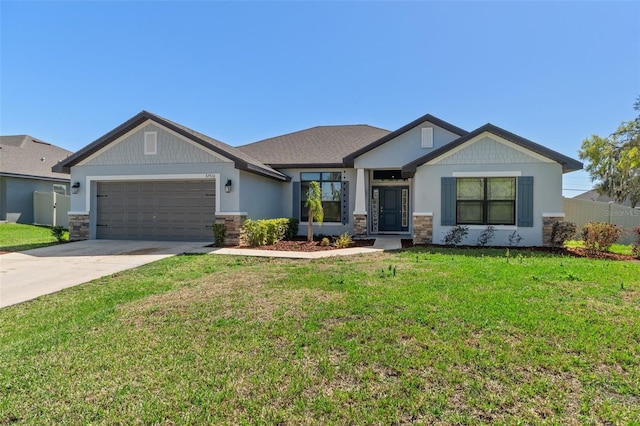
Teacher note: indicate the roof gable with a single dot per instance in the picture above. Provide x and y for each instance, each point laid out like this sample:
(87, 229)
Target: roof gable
(241, 160)
(350, 158)
(568, 164)
(26, 156)
(317, 146)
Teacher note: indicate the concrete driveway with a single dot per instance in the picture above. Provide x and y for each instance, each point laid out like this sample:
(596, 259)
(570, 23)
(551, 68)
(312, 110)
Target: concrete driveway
(30, 274)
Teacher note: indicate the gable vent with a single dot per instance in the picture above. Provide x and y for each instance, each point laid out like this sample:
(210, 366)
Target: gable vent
(150, 143)
(427, 137)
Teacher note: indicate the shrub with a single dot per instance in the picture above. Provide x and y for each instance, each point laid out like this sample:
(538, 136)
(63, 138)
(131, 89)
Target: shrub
(343, 241)
(292, 229)
(455, 235)
(514, 239)
(636, 244)
(264, 231)
(219, 234)
(599, 236)
(562, 231)
(487, 235)
(57, 232)
(324, 242)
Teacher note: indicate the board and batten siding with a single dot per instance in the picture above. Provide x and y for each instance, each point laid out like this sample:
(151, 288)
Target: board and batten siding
(170, 149)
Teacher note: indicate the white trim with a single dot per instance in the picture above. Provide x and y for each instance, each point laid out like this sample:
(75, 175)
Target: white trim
(497, 227)
(232, 213)
(495, 138)
(553, 215)
(115, 178)
(142, 126)
(423, 213)
(486, 174)
(78, 213)
(362, 212)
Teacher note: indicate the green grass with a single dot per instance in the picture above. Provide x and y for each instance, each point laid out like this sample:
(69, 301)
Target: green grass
(615, 248)
(418, 336)
(19, 237)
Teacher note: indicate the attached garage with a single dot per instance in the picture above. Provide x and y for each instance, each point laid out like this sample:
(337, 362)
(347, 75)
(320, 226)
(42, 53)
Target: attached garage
(156, 210)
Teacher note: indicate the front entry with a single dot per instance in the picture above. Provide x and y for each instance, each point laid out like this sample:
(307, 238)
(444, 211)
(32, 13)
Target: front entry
(392, 206)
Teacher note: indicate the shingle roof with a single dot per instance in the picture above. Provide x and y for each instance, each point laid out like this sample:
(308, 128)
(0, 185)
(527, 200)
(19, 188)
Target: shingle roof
(568, 164)
(593, 195)
(241, 160)
(351, 156)
(23, 155)
(318, 146)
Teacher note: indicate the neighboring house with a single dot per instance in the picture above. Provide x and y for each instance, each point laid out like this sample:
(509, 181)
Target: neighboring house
(25, 167)
(594, 196)
(151, 178)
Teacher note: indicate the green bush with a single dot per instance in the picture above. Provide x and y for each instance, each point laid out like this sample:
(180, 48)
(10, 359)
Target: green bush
(599, 236)
(265, 231)
(292, 229)
(455, 235)
(562, 231)
(219, 234)
(57, 232)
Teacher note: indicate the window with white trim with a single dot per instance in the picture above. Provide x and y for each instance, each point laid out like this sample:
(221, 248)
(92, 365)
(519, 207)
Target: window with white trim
(486, 201)
(150, 143)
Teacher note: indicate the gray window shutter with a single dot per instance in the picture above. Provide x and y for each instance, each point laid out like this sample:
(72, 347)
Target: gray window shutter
(345, 202)
(296, 200)
(524, 210)
(448, 201)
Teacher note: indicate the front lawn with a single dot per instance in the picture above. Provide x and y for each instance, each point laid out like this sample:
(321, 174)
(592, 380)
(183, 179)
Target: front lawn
(19, 237)
(418, 336)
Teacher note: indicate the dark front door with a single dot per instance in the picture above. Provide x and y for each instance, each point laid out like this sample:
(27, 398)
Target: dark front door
(390, 213)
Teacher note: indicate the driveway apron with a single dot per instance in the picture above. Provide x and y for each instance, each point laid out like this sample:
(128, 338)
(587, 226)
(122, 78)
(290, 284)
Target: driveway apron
(30, 274)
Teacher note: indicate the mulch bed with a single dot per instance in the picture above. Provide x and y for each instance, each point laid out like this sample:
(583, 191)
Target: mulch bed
(565, 251)
(303, 245)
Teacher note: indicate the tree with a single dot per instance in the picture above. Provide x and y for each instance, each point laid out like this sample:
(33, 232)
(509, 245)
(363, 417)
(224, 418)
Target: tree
(614, 161)
(314, 203)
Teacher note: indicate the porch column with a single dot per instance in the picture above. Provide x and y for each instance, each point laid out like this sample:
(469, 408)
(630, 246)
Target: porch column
(360, 212)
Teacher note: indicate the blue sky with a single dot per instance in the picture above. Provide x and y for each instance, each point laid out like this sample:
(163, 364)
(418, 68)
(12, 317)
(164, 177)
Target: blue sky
(553, 72)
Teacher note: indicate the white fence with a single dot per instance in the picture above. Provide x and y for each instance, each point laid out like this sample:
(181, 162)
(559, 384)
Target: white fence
(582, 212)
(51, 208)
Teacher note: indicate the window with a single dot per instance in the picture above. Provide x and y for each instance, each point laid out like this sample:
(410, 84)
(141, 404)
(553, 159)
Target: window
(331, 187)
(60, 189)
(486, 201)
(150, 143)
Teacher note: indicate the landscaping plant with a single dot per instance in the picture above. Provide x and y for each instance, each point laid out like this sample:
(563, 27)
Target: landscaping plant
(636, 244)
(343, 241)
(314, 204)
(219, 234)
(57, 232)
(562, 231)
(599, 236)
(455, 235)
(487, 235)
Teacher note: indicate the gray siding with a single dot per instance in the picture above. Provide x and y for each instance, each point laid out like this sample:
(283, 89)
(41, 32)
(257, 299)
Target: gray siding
(404, 149)
(17, 197)
(171, 149)
(259, 196)
(489, 151)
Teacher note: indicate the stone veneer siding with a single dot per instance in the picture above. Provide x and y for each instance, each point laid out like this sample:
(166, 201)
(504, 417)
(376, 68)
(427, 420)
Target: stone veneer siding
(360, 225)
(547, 225)
(78, 227)
(234, 225)
(422, 229)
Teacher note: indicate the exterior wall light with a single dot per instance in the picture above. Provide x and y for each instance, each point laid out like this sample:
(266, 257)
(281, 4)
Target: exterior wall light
(227, 186)
(75, 187)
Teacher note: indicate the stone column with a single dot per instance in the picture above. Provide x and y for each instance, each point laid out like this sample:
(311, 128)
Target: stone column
(360, 225)
(548, 219)
(78, 226)
(234, 223)
(423, 228)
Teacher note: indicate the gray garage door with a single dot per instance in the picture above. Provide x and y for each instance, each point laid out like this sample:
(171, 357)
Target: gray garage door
(158, 210)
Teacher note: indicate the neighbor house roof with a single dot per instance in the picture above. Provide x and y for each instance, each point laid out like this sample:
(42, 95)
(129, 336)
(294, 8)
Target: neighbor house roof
(323, 146)
(593, 195)
(350, 157)
(26, 156)
(568, 164)
(241, 160)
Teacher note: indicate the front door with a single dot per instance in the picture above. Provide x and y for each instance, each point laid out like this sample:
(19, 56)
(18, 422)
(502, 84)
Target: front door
(390, 210)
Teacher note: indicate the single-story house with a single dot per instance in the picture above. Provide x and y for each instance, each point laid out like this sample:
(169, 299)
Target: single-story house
(25, 167)
(151, 178)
